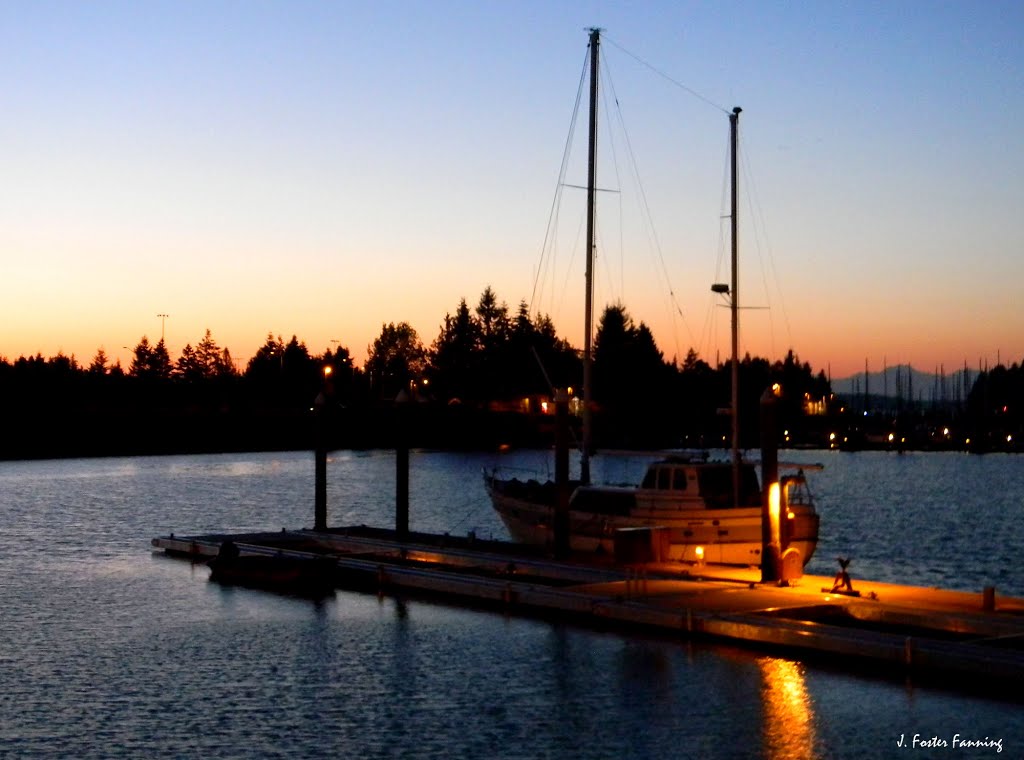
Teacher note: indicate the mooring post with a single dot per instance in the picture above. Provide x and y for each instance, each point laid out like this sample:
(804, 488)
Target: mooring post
(320, 493)
(561, 521)
(402, 401)
(771, 525)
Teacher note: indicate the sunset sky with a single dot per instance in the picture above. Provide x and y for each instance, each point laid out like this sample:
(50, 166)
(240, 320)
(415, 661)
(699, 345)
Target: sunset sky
(320, 169)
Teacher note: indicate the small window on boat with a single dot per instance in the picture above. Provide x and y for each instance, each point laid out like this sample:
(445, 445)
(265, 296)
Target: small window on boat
(679, 479)
(664, 479)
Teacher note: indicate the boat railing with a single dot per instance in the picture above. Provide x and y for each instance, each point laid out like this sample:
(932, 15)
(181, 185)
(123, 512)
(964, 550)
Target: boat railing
(510, 472)
(798, 491)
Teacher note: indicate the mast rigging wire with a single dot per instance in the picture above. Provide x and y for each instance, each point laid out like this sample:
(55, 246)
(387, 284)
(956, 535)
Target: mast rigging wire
(645, 210)
(666, 77)
(760, 229)
(555, 202)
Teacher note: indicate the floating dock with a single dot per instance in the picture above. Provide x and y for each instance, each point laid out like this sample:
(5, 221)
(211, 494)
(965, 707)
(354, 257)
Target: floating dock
(972, 638)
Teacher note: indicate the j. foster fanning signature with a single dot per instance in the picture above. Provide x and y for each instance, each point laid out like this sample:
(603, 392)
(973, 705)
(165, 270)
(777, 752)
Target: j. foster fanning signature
(957, 742)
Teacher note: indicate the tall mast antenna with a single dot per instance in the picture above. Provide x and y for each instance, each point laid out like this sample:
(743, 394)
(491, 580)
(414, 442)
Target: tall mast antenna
(588, 326)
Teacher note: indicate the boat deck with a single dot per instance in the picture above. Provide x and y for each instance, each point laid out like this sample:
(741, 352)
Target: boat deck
(902, 629)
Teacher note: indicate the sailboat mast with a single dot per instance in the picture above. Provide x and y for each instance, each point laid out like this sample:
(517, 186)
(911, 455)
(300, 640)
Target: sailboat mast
(588, 326)
(734, 308)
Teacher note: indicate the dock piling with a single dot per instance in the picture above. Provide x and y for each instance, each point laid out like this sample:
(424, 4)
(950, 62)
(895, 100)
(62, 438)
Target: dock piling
(561, 518)
(402, 402)
(320, 487)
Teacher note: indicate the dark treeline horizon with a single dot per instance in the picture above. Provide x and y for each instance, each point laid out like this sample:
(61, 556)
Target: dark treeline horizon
(487, 368)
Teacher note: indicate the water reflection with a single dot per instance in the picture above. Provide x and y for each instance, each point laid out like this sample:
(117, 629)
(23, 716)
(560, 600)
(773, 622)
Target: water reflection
(788, 713)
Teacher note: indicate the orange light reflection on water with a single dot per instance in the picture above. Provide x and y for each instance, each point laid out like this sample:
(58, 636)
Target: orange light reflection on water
(788, 711)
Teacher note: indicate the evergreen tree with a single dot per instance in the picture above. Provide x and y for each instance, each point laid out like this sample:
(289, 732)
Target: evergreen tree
(395, 359)
(226, 365)
(160, 361)
(188, 368)
(150, 363)
(495, 362)
(268, 361)
(99, 363)
(455, 356)
(208, 357)
(631, 379)
(492, 319)
(140, 358)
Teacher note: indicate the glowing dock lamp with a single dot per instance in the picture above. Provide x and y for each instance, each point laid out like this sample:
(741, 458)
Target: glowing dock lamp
(699, 553)
(774, 517)
(771, 495)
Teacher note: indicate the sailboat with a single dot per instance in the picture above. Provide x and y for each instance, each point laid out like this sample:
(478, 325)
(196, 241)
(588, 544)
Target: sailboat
(711, 511)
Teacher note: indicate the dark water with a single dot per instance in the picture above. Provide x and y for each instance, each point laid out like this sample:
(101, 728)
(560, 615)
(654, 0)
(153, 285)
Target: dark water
(109, 650)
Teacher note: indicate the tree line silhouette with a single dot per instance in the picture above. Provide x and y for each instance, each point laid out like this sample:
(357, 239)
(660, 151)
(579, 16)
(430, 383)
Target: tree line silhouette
(483, 381)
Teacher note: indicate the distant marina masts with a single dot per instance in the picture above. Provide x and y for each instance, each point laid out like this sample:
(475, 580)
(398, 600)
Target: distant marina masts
(936, 389)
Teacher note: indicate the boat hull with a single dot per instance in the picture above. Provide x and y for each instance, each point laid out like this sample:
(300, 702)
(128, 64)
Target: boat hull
(721, 536)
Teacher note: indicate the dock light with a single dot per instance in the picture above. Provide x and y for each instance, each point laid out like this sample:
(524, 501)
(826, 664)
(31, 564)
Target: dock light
(892, 437)
(328, 370)
(699, 551)
(774, 509)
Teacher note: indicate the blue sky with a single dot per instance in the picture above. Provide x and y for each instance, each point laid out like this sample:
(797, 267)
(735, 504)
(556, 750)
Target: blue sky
(320, 169)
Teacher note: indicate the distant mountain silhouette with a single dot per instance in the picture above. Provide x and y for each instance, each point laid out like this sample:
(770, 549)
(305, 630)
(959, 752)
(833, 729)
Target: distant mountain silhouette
(902, 380)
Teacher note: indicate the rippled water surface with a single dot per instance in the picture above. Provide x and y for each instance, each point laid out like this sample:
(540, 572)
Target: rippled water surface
(109, 650)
